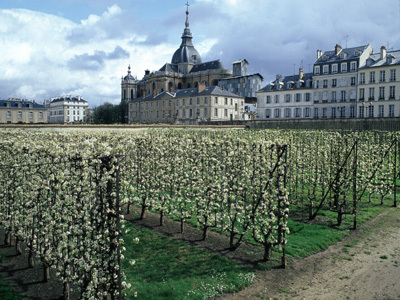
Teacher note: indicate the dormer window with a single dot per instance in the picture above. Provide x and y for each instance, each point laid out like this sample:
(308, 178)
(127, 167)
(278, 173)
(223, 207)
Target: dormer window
(389, 59)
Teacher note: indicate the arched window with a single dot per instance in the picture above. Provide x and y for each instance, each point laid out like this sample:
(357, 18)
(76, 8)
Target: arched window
(180, 86)
(162, 90)
(154, 86)
(132, 94)
(170, 85)
(196, 84)
(215, 82)
(124, 94)
(188, 85)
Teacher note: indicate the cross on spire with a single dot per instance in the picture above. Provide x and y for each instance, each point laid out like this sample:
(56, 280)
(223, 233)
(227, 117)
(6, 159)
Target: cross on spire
(187, 6)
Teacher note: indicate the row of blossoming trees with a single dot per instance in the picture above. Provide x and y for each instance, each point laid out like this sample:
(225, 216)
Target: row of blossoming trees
(59, 193)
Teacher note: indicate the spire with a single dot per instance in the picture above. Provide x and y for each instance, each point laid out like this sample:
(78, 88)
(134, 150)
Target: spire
(129, 69)
(187, 15)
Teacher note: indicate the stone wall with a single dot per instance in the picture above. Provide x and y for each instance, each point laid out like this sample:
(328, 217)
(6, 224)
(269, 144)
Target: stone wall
(383, 124)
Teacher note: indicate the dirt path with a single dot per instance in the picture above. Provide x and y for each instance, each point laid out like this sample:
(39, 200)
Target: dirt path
(366, 265)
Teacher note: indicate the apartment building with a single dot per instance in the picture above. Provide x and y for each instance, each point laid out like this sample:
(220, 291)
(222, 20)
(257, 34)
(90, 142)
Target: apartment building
(68, 109)
(16, 110)
(288, 97)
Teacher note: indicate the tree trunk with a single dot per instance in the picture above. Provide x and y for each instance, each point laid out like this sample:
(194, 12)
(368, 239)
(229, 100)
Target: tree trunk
(205, 232)
(267, 248)
(162, 218)
(182, 225)
(31, 262)
(46, 272)
(18, 246)
(66, 291)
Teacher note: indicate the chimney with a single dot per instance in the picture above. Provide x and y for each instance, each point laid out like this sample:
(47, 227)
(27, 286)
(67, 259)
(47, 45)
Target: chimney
(338, 49)
(301, 74)
(33, 101)
(144, 94)
(154, 93)
(383, 52)
(147, 72)
(201, 87)
(319, 54)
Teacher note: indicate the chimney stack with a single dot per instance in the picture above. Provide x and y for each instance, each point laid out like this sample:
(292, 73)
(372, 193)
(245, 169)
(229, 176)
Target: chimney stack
(319, 54)
(338, 49)
(201, 87)
(383, 52)
(301, 74)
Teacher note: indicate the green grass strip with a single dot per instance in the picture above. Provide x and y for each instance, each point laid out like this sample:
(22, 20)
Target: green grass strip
(170, 269)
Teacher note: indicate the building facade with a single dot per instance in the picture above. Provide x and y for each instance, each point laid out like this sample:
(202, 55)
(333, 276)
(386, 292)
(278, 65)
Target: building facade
(346, 83)
(15, 110)
(288, 97)
(188, 106)
(379, 85)
(68, 109)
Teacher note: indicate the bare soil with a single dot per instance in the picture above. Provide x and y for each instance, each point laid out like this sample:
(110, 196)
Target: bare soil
(365, 265)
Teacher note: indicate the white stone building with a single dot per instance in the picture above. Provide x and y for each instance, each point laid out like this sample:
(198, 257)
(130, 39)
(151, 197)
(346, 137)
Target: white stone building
(67, 109)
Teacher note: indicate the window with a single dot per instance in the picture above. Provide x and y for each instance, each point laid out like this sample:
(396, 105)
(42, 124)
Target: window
(183, 113)
(19, 114)
(190, 101)
(317, 84)
(268, 99)
(316, 70)
(343, 67)
(361, 112)
(190, 113)
(40, 115)
(334, 68)
(277, 113)
(183, 102)
(288, 112)
(236, 107)
(169, 103)
(392, 75)
(372, 77)
(276, 98)
(391, 110)
(392, 92)
(325, 97)
(226, 101)
(315, 112)
(371, 111)
(158, 113)
(353, 81)
(267, 113)
(326, 69)
(307, 112)
(205, 100)
(216, 112)
(8, 114)
(382, 76)
(316, 97)
(198, 101)
(231, 101)
(362, 78)
(371, 93)
(352, 112)
(205, 112)
(343, 96)
(325, 83)
(324, 112)
(362, 94)
(288, 98)
(334, 98)
(177, 102)
(308, 97)
(333, 112)
(353, 66)
(298, 97)
(216, 100)
(225, 113)
(381, 110)
(381, 93)
(334, 82)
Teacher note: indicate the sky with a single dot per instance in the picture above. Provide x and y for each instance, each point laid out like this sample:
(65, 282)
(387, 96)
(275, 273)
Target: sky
(51, 48)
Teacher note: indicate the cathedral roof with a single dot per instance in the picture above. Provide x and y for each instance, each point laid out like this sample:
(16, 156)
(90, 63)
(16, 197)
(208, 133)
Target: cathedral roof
(186, 53)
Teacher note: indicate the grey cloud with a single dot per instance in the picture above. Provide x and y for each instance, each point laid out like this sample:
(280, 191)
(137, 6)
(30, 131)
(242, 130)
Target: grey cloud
(97, 60)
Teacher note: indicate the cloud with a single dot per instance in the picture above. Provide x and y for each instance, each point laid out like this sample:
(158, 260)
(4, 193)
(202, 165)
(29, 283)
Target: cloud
(97, 60)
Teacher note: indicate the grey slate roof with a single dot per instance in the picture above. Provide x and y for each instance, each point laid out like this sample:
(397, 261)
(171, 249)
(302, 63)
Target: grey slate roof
(24, 104)
(284, 83)
(210, 65)
(350, 54)
(169, 68)
(73, 99)
(374, 60)
(192, 92)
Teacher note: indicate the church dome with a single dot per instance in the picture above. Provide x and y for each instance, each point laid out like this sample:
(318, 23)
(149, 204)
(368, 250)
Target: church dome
(129, 77)
(186, 53)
